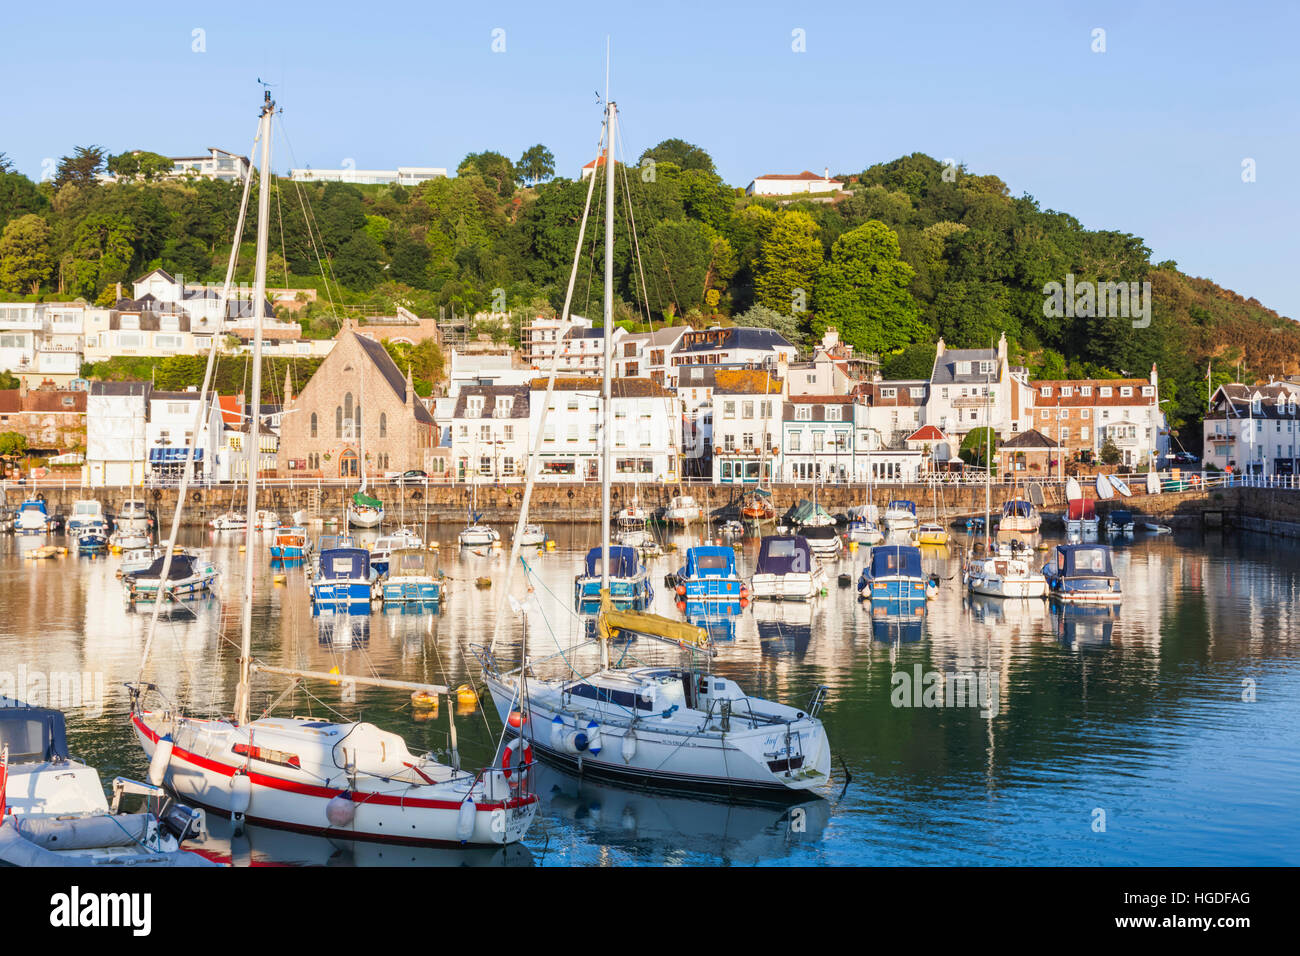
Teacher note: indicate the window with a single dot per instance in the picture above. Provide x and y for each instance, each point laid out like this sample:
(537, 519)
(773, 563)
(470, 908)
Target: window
(918, 392)
(803, 413)
(1066, 391)
(1045, 414)
(1105, 391)
(1046, 391)
(507, 466)
(1126, 391)
(1083, 433)
(510, 433)
(129, 340)
(549, 434)
(728, 442)
(832, 413)
(794, 440)
(893, 393)
(485, 465)
(338, 421)
(728, 409)
(986, 368)
(746, 409)
(1065, 434)
(1085, 390)
(166, 341)
(1085, 413)
(1148, 390)
(313, 425)
(383, 425)
(485, 433)
(129, 322)
(765, 409)
(819, 441)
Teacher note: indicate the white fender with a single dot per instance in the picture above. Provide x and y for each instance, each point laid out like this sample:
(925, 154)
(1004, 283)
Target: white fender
(557, 732)
(341, 810)
(593, 738)
(241, 793)
(465, 819)
(629, 746)
(162, 757)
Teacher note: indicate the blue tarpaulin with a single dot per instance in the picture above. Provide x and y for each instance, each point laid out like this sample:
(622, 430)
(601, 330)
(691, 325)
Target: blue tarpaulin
(174, 454)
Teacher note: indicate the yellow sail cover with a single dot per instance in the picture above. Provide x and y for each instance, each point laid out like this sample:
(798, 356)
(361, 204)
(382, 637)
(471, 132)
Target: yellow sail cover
(612, 620)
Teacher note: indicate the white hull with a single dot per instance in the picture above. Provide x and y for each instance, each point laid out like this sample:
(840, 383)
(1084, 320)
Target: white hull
(674, 752)
(477, 536)
(365, 517)
(400, 809)
(788, 587)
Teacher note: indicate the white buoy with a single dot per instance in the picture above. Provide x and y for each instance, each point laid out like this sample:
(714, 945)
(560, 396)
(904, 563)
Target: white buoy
(341, 810)
(593, 738)
(557, 731)
(241, 793)
(465, 820)
(162, 756)
(629, 746)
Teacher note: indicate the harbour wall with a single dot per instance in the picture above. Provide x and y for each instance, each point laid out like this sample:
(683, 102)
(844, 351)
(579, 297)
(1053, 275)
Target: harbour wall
(1272, 510)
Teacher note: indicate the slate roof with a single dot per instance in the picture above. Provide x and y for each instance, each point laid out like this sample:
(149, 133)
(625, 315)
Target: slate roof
(738, 337)
(1029, 440)
(392, 374)
(121, 388)
(946, 365)
(519, 409)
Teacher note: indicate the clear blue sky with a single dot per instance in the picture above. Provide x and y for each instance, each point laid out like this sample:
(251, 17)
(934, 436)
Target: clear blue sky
(1147, 137)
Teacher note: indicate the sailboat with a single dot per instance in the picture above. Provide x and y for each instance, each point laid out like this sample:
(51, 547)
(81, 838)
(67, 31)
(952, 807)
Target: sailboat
(477, 535)
(363, 510)
(1006, 571)
(347, 780)
(661, 727)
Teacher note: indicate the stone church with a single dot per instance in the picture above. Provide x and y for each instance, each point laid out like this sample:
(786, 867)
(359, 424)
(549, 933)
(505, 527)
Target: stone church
(358, 411)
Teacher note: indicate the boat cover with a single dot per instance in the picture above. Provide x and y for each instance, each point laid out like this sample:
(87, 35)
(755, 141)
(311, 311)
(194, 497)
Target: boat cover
(710, 560)
(1083, 560)
(1081, 509)
(896, 560)
(623, 562)
(902, 504)
(1018, 508)
(32, 734)
(359, 498)
(784, 554)
(340, 563)
(182, 567)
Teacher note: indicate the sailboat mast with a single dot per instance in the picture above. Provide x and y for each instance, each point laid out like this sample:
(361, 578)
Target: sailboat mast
(607, 464)
(255, 407)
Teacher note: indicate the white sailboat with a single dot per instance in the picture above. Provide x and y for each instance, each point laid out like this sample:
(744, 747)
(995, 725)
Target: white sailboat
(363, 510)
(344, 779)
(661, 727)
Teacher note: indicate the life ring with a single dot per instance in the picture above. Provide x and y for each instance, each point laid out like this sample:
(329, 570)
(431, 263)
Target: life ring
(196, 496)
(417, 495)
(510, 760)
(40, 496)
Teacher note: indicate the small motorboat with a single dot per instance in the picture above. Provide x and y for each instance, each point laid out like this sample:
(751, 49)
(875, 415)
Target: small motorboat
(188, 576)
(478, 536)
(53, 811)
(364, 511)
(1157, 528)
(1007, 572)
(91, 541)
(128, 539)
(342, 578)
(900, 515)
(229, 521)
(824, 540)
(134, 516)
(533, 534)
(629, 581)
(135, 560)
(290, 544)
(32, 517)
(1081, 517)
(630, 529)
(1020, 516)
(87, 515)
(266, 521)
(1119, 521)
(386, 544)
(787, 570)
(709, 575)
(411, 578)
(682, 510)
(1082, 574)
(893, 573)
(931, 533)
(863, 527)
(732, 529)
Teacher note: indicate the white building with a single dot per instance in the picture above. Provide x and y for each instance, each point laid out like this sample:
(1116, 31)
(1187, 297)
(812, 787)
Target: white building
(22, 325)
(735, 347)
(217, 164)
(477, 368)
(1254, 429)
(490, 433)
(648, 354)
(972, 388)
(1082, 415)
(646, 437)
(793, 184)
(170, 430)
(402, 175)
(829, 438)
(748, 405)
(45, 340)
(116, 418)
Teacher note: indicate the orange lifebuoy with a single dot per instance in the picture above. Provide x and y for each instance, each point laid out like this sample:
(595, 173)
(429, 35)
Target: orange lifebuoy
(508, 762)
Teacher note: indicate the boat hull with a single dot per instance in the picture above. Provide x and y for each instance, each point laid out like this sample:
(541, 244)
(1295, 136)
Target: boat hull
(405, 590)
(342, 592)
(788, 587)
(634, 593)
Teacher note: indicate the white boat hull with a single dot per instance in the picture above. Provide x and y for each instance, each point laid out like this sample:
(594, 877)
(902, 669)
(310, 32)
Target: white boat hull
(788, 587)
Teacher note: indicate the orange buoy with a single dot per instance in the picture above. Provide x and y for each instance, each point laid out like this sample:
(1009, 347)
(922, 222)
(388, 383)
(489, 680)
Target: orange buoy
(681, 605)
(517, 719)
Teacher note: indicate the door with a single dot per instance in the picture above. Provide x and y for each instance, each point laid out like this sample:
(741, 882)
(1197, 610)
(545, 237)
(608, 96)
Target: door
(348, 464)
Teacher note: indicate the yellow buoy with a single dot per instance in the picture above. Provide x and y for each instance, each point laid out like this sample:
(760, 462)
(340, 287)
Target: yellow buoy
(433, 545)
(334, 670)
(241, 548)
(278, 579)
(465, 696)
(550, 545)
(422, 700)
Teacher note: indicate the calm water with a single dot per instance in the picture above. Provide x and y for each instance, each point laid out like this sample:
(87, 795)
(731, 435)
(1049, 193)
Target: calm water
(1103, 740)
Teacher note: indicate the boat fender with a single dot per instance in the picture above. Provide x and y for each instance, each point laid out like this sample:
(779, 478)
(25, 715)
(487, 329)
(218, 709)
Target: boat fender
(241, 793)
(162, 756)
(465, 819)
(629, 746)
(341, 810)
(593, 738)
(574, 742)
(557, 731)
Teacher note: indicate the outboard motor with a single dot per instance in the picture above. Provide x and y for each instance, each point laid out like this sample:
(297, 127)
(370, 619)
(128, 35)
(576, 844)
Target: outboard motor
(179, 820)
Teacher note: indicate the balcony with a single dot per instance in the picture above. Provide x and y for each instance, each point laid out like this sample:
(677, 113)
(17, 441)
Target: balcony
(975, 401)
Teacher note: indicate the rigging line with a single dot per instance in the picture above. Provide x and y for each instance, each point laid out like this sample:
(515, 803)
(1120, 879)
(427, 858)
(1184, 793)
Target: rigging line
(187, 472)
(671, 287)
(631, 213)
(313, 230)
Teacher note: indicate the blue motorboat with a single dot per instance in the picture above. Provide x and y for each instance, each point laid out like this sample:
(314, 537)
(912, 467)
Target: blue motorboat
(290, 545)
(1082, 574)
(893, 573)
(411, 578)
(92, 541)
(342, 578)
(629, 581)
(32, 518)
(1119, 521)
(710, 576)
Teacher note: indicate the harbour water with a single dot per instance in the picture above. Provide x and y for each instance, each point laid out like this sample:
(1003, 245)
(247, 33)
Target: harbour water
(1164, 734)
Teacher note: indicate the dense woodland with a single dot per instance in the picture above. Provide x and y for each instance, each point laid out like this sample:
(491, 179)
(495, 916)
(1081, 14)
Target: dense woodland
(910, 251)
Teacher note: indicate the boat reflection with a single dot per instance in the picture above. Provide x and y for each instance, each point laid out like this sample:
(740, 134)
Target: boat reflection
(342, 628)
(897, 620)
(718, 618)
(1003, 610)
(784, 627)
(1084, 625)
(645, 822)
(260, 846)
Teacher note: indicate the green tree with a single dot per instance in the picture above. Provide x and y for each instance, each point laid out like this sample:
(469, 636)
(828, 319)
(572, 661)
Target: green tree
(495, 169)
(357, 263)
(8, 380)
(18, 197)
(1110, 453)
(139, 164)
(683, 155)
(683, 261)
(913, 361)
(761, 317)
(976, 445)
(537, 163)
(863, 291)
(25, 254)
(101, 253)
(788, 260)
(12, 443)
(81, 167)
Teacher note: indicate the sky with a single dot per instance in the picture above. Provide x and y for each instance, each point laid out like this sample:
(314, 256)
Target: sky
(1148, 135)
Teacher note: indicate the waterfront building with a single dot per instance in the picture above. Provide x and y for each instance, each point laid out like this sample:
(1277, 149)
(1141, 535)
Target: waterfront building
(747, 425)
(1082, 415)
(48, 417)
(645, 434)
(735, 347)
(357, 386)
(1030, 454)
(1254, 429)
(971, 388)
(490, 433)
(891, 412)
(116, 417)
(648, 354)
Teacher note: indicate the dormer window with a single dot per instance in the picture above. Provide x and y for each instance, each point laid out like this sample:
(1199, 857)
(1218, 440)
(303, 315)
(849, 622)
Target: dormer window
(1045, 391)
(505, 404)
(474, 406)
(803, 413)
(1105, 391)
(832, 413)
(1085, 391)
(1126, 391)
(1066, 391)
(1148, 390)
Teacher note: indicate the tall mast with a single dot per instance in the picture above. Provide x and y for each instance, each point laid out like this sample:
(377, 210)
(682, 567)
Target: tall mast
(607, 463)
(255, 417)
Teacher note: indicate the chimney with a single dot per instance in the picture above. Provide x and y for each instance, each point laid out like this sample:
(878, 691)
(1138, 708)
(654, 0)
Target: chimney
(826, 174)
(939, 347)
(1002, 347)
(1155, 380)
(118, 286)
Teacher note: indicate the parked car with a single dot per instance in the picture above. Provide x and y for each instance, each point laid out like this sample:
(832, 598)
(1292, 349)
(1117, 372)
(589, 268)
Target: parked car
(415, 474)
